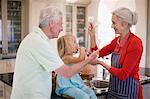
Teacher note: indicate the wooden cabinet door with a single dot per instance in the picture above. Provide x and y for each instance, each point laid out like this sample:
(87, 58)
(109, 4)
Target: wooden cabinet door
(2, 90)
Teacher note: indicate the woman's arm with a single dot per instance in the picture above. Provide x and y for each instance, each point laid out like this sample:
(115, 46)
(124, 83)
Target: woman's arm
(91, 31)
(131, 61)
(108, 49)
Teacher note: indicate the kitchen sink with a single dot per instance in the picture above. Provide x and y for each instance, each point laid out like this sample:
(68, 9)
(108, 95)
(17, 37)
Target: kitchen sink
(99, 86)
(99, 83)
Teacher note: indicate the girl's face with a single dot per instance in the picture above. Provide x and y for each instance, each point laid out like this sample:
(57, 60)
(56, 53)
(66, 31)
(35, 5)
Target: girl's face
(117, 25)
(73, 45)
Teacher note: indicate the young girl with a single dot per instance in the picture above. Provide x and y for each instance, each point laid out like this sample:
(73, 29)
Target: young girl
(74, 86)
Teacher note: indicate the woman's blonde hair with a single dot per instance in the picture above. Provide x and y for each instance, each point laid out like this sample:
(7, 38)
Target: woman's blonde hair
(63, 45)
(125, 14)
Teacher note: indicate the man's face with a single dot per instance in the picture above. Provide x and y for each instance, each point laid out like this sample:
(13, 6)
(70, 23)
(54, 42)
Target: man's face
(56, 28)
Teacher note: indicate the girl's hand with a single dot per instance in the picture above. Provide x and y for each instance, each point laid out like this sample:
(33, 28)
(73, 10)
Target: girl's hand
(81, 49)
(82, 53)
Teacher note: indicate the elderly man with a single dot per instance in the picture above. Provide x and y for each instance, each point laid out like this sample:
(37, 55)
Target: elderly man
(37, 58)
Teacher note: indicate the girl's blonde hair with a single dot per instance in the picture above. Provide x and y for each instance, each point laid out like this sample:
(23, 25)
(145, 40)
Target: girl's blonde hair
(63, 45)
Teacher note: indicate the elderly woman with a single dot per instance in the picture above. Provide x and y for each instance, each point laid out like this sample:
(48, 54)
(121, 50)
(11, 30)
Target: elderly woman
(126, 50)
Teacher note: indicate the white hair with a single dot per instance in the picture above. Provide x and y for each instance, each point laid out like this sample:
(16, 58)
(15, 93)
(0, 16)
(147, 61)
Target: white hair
(124, 14)
(47, 14)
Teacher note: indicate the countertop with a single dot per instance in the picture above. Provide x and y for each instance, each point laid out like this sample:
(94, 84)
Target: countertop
(7, 78)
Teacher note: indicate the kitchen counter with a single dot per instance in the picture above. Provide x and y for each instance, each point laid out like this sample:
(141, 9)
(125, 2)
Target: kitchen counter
(7, 78)
(54, 96)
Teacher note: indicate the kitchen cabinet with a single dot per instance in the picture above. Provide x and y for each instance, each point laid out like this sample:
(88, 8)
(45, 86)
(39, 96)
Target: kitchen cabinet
(7, 66)
(1, 90)
(5, 91)
(12, 26)
(2, 66)
(76, 23)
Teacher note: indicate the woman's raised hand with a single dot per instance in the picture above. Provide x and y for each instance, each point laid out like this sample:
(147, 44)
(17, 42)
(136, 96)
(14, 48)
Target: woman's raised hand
(91, 28)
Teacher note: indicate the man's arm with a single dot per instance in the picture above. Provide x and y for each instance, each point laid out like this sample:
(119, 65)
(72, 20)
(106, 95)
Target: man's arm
(68, 72)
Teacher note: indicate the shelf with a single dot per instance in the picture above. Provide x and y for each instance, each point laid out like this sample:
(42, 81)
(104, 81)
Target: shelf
(13, 26)
(14, 10)
(69, 19)
(81, 25)
(81, 14)
(78, 12)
